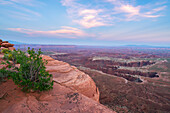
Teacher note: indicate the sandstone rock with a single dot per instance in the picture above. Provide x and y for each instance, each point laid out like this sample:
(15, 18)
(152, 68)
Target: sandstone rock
(1, 56)
(7, 45)
(11, 48)
(4, 41)
(73, 92)
(59, 100)
(3, 48)
(71, 77)
(44, 57)
(0, 40)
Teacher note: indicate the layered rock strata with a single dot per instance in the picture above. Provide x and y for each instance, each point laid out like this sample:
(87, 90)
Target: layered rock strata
(71, 77)
(6, 45)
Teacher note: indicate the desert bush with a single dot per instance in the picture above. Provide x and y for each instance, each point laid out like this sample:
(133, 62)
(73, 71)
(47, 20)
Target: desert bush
(31, 74)
(3, 74)
(5, 50)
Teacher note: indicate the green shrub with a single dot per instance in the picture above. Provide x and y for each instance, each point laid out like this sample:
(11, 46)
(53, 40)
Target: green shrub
(3, 74)
(5, 50)
(31, 75)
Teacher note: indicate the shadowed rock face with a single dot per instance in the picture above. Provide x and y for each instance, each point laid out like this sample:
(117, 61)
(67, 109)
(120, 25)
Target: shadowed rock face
(73, 92)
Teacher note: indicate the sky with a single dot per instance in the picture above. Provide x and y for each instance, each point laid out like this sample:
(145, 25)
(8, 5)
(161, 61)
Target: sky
(86, 22)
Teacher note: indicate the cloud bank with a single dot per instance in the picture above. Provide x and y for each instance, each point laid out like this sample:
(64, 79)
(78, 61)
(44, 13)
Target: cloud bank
(64, 32)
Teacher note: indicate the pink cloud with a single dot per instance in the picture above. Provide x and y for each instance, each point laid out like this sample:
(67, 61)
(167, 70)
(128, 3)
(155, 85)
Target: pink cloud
(89, 16)
(67, 32)
(135, 13)
(84, 16)
(128, 9)
(139, 12)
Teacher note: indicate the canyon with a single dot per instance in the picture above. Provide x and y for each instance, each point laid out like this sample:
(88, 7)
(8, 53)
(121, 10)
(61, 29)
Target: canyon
(73, 91)
(127, 79)
(130, 80)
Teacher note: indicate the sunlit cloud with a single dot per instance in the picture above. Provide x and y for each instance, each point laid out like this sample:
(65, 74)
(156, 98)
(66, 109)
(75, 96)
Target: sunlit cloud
(128, 9)
(89, 16)
(65, 31)
(84, 15)
(134, 13)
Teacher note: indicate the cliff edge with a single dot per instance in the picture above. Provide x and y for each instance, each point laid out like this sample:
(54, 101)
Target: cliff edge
(70, 76)
(73, 92)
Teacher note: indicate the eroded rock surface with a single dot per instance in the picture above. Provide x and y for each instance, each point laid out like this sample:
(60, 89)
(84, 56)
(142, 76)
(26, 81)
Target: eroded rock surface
(73, 92)
(71, 77)
(59, 100)
(6, 45)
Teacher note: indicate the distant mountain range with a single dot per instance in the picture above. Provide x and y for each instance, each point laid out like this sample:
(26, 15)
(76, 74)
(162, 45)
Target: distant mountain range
(86, 46)
(139, 46)
(146, 46)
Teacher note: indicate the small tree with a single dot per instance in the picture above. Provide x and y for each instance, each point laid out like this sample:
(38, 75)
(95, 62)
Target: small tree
(31, 74)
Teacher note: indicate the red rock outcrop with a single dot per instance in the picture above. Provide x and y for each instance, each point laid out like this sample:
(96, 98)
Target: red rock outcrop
(59, 100)
(6, 45)
(71, 77)
(73, 92)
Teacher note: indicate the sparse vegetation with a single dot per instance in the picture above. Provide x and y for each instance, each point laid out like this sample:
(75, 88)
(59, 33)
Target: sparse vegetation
(31, 74)
(3, 74)
(5, 50)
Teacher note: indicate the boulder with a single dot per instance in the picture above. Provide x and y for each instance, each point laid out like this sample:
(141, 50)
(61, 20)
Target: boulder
(7, 45)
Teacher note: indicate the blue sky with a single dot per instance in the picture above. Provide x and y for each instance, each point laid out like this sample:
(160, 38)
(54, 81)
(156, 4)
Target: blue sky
(86, 22)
